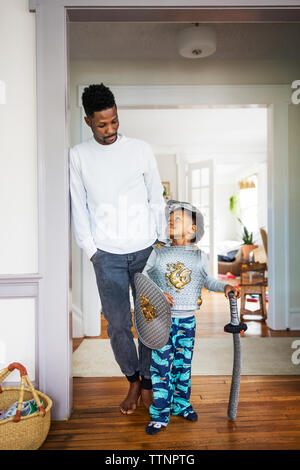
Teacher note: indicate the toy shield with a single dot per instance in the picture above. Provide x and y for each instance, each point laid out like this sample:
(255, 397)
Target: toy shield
(152, 315)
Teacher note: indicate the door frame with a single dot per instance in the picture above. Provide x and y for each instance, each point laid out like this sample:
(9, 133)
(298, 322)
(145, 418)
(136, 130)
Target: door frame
(55, 305)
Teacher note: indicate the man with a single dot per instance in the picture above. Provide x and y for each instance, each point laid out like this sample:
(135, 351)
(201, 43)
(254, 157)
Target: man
(118, 214)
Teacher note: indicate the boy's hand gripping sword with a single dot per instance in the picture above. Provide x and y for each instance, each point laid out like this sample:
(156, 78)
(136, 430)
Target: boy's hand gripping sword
(235, 327)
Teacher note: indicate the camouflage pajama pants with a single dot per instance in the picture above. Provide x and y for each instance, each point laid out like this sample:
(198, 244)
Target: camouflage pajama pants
(171, 372)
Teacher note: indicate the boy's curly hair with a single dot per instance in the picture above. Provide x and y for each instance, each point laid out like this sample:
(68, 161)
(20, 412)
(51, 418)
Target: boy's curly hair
(97, 98)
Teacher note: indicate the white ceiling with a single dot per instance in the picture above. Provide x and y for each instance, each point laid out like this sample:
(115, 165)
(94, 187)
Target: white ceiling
(236, 138)
(233, 131)
(158, 41)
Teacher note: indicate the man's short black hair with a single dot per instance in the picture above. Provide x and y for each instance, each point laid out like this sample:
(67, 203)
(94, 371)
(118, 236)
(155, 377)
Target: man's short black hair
(97, 98)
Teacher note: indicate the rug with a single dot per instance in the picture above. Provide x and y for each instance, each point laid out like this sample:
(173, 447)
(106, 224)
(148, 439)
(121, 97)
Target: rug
(212, 356)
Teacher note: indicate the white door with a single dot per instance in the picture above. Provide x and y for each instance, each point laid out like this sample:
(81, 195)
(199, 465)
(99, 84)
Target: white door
(200, 182)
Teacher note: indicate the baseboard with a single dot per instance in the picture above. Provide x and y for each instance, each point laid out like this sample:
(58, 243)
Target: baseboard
(294, 319)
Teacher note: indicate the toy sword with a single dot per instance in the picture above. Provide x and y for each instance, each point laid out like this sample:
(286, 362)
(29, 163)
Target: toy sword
(235, 327)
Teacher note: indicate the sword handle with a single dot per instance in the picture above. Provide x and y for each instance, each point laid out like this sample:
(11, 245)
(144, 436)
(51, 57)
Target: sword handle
(234, 326)
(234, 313)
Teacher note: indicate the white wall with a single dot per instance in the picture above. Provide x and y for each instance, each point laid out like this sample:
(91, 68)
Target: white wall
(168, 171)
(18, 154)
(294, 213)
(18, 181)
(17, 341)
(225, 227)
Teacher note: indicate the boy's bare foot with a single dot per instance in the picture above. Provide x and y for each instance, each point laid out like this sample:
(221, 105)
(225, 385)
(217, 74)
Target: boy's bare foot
(147, 397)
(128, 406)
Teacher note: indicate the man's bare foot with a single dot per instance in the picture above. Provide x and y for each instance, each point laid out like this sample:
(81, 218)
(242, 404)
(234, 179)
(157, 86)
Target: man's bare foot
(147, 397)
(128, 406)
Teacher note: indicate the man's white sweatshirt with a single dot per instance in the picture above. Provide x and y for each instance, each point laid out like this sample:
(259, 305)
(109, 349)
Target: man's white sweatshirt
(117, 199)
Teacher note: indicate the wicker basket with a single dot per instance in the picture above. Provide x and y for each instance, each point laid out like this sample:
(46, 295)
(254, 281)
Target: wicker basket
(23, 432)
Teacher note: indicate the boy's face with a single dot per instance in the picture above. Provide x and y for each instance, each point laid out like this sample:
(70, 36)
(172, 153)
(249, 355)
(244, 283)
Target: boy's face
(180, 225)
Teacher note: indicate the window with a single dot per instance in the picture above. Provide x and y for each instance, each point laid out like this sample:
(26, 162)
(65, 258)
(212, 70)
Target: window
(249, 203)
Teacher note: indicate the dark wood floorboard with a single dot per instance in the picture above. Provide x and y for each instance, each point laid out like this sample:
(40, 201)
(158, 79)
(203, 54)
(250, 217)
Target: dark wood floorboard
(268, 417)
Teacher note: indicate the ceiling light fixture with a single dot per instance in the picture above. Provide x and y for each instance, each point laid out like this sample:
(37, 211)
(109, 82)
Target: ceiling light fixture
(197, 41)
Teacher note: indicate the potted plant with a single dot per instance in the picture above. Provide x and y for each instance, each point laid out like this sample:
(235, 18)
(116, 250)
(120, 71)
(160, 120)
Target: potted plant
(247, 236)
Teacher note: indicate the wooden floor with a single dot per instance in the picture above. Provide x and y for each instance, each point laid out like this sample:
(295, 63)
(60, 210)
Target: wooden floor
(268, 417)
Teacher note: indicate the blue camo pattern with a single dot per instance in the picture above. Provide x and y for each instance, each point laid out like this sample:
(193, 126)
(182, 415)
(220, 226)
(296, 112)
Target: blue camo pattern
(171, 372)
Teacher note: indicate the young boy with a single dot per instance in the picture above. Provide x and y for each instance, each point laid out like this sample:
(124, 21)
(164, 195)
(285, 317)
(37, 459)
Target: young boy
(180, 269)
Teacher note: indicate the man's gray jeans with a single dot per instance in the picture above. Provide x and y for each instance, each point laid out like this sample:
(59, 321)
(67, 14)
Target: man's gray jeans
(114, 274)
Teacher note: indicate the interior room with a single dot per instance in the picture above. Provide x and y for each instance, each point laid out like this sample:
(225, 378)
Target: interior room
(212, 155)
(228, 143)
(219, 115)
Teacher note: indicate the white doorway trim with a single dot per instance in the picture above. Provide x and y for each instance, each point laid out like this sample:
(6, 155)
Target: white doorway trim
(54, 329)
